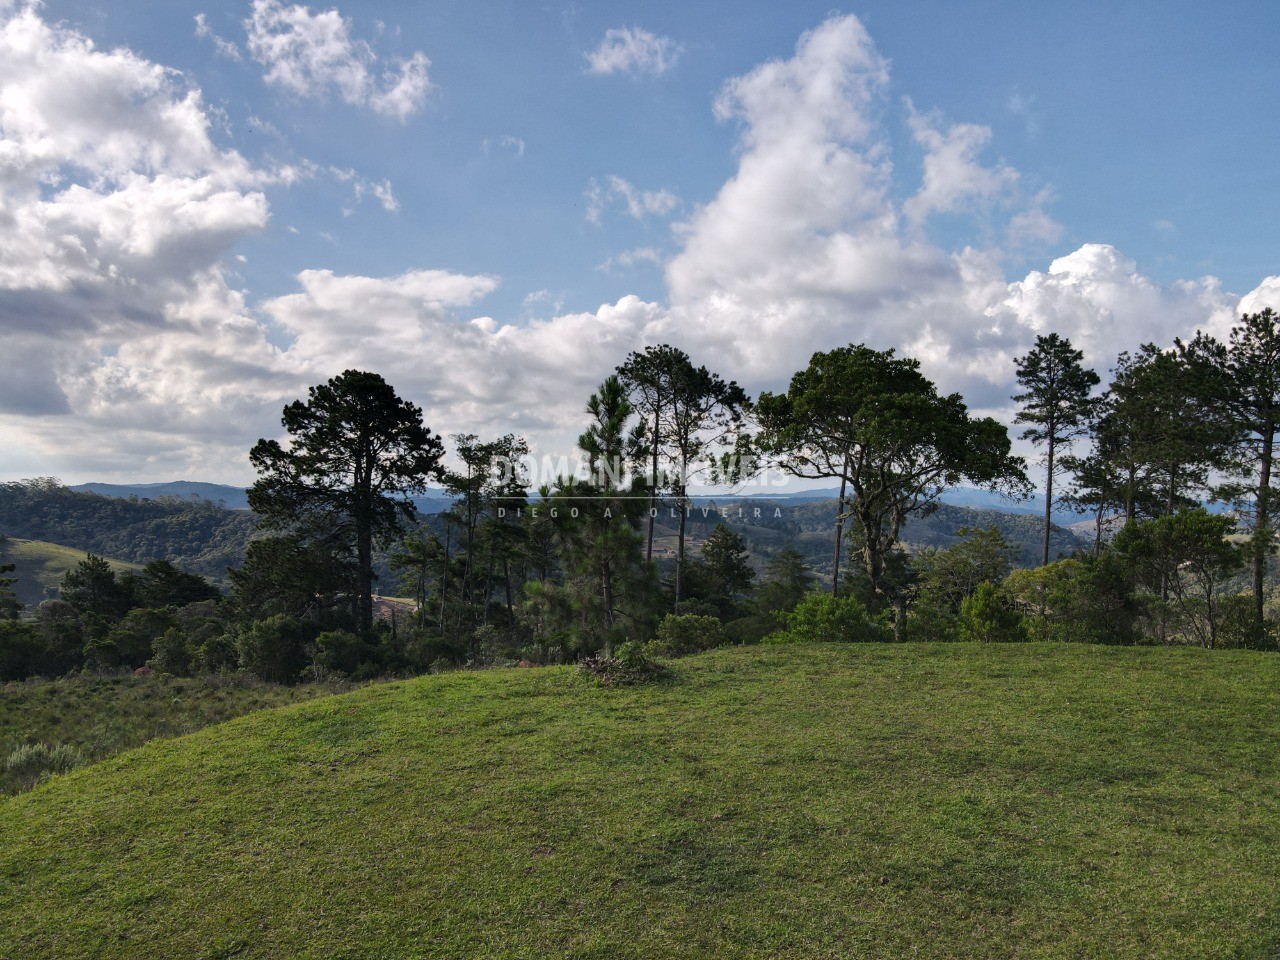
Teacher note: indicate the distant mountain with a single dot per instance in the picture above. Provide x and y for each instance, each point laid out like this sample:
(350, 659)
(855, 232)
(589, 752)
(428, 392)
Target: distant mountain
(809, 525)
(233, 498)
(955, 496)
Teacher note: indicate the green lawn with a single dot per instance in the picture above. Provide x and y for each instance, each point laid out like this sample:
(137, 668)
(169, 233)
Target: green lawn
(101, 716)
(806, 802)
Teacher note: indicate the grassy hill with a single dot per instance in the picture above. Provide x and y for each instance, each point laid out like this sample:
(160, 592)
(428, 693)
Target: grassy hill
(40, 567)
(834, 801)
(101, 716)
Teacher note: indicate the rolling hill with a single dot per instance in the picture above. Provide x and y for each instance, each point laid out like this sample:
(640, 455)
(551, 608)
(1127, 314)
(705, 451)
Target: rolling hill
(40, 567)
(767, 802)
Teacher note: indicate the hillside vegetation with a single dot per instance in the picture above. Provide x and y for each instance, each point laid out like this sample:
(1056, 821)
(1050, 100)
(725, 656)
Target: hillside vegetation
(1032, 800)
(198, 536)
(100, 716)
(40, 567)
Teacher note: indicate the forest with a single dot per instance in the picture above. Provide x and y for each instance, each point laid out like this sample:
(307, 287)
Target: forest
(615, 566)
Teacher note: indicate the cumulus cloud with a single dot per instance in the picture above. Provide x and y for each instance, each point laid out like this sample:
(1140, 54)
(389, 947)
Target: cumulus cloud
(309, 54)
(639, 204)
(953, 177)
(632, 51)
(221, 44)
(131, 350)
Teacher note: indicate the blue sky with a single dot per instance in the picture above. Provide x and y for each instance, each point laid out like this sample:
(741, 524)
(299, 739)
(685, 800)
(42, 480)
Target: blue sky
(754, 181)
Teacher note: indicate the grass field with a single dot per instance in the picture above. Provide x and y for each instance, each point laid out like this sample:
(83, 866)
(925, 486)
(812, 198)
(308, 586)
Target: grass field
(101, 716)
(806, 802)
(41, 566)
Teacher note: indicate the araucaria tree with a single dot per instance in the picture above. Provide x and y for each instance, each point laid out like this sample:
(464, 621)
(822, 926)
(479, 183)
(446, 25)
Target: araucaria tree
(356, 452)
(876, 422)
(1055, 403)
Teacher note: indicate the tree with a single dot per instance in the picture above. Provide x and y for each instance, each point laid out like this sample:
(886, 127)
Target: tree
(951, 575)
(1098, 485)
(728, 567)
(296, 576)
(9, 605)
(164, 585)
(1186, 555)
(705, 414)
(604, 540)
(985, 618)
(357, 451)
(648, 378)
(873, 420)
(787, 581)
(92, 588)
(1055, 404)
(1248, 386)
(1168, 428)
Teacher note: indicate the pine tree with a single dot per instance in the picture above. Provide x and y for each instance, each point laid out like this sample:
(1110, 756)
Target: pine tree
(1056, 405)
(1248, 387)
(357, 451)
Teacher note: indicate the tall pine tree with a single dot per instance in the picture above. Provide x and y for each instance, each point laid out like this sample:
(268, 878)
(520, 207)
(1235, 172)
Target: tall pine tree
(1055, 405)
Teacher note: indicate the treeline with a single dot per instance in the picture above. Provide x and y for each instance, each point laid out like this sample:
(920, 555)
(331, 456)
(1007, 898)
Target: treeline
(199, 536)
(570, 570)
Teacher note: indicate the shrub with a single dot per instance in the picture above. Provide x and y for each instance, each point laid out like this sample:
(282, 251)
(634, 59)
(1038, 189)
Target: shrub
(985, 617)
(822, 618)
(339, 653)
(274, 648)
(32, 762)
(932, 619)
(628, 666)
(682, 634)
(171, 654)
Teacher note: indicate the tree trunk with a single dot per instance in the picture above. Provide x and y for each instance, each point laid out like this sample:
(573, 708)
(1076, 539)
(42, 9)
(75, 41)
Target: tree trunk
(364, 563)
(1262, 522)
(680, 550)
(506, 577)
(653, 482)
(835, 568)
(444, 573)
(1048, 504)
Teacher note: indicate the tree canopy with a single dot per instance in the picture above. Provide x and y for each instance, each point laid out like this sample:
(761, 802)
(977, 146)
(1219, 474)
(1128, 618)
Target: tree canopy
(356, 453)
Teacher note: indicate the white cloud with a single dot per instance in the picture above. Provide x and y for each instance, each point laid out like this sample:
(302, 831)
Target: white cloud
(633, 51)
(629, 259)
(221, 44)
(308, 54)
(638, 203)
(512, 145)
(953, 177)
(130, 353)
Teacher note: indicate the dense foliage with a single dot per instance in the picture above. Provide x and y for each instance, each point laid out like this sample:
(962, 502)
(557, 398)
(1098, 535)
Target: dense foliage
(574, 571)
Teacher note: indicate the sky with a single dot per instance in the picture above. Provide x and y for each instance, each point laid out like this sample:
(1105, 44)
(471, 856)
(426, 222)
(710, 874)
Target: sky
(206, 208)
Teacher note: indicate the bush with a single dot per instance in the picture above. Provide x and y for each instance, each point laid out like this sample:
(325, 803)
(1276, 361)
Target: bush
(628, 666)
(931, 619)
(1238, 628)
(339, 653)
(33, 762)
(985, 617)
(274, 648)
(822, 618)
(680, 635)
(171, 654)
